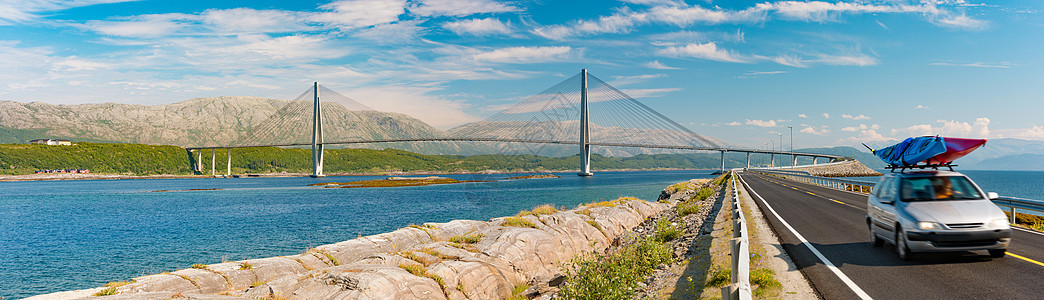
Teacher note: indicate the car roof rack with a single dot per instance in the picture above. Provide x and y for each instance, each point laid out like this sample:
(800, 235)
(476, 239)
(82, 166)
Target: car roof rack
(903, 168)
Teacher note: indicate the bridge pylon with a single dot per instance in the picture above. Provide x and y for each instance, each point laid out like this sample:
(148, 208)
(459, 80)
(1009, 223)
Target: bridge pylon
(317, 135)
(585, 136)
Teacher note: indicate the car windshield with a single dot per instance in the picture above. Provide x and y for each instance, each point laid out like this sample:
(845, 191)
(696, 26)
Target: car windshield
(938, 188)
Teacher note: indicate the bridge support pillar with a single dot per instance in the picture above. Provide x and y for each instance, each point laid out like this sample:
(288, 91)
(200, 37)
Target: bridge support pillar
(213, 158)
(585, 137)
(722, 161)
(228, 164)
(814, 159)
(199, 160)
(772, 162)
(795, 161)
(317, 135)
(748, 160)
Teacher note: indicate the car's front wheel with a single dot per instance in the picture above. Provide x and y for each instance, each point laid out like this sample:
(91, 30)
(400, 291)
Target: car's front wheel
(997, 253)
(900, 245)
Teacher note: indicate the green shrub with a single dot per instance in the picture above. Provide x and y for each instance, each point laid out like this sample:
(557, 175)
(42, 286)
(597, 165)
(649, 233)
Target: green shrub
(765, 281)
(107, 292)
(615, 276)
(666, 232)
(719, 277)
(703, 194)
(199, 266)
(686, 209)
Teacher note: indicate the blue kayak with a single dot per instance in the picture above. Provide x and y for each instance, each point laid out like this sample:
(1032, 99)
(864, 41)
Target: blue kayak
(912, 150)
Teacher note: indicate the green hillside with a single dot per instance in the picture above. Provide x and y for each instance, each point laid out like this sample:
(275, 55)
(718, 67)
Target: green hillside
(139, 159)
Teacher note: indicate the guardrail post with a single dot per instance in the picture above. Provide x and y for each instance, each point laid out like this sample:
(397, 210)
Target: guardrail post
(1012, 212)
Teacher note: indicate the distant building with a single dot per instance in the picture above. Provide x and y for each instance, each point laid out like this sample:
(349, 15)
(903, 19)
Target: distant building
(51, 142)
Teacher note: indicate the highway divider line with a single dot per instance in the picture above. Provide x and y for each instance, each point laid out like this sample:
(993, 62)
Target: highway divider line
(830, 265)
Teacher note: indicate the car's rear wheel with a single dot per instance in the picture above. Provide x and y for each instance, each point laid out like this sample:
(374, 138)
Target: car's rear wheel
(997, 253)
(900, 246)
(874, 240)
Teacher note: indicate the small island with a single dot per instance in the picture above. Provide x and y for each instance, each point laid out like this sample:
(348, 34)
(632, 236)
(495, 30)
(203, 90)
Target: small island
(537, 176)
(391, 182)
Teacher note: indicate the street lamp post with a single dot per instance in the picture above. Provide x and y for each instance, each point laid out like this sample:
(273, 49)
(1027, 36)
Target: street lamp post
(792, 145)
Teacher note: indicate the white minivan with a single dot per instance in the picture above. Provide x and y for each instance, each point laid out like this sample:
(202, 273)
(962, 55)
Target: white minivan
(935, 211)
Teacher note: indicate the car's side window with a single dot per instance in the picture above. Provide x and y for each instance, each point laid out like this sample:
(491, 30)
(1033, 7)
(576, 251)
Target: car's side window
(887, 190)
(880, 187)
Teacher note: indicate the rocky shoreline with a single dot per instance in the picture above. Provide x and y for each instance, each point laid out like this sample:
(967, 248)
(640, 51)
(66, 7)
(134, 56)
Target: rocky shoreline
(461, 259)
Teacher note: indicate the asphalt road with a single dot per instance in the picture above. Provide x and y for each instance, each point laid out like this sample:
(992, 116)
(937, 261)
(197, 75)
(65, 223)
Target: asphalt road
(833, 222)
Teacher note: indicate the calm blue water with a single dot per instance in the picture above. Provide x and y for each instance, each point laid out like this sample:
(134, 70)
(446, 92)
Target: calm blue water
(65, 235)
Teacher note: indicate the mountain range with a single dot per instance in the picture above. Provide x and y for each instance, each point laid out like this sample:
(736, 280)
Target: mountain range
(239, 120)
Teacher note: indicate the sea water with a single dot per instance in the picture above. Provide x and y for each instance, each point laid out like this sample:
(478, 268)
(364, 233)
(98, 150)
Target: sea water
(66, 235)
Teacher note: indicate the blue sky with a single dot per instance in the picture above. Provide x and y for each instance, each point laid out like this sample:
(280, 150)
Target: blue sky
(837, 72)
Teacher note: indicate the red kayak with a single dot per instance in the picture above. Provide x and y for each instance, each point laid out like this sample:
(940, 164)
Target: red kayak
(955, 148)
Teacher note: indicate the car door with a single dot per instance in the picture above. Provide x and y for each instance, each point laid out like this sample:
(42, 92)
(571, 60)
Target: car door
(883, 210)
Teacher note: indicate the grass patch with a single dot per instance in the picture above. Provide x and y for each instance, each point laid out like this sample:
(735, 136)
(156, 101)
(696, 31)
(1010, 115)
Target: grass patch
(465, 247)
(516, 292)
(245, 266)
(686, 209)
(118, 283)
(1037, 227)
(586, 212)
(764, 281)
(467, 239)
(107, 292)
(199, 266)
(614, 276)
(545, 209)
(517, 222)
(257, 283)
(666, 232)
(332, 259)
(681, 186)
(426, 261)
(723, 178)
(720, 277)
(417, 270)
(610, 203)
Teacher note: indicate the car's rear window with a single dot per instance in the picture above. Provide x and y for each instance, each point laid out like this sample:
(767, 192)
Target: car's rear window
(938, 188)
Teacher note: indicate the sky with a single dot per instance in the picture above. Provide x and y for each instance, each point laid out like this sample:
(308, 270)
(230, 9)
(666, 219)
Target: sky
(836, 72)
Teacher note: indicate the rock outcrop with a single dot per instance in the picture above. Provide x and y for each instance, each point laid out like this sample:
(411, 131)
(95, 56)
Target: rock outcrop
(851, 168)
(461, 259)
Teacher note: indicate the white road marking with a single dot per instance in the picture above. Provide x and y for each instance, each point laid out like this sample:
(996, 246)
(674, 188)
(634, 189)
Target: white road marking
(830, 265)
(1027, 230)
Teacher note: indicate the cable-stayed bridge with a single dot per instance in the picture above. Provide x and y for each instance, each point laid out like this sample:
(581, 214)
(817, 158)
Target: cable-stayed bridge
(583, 111)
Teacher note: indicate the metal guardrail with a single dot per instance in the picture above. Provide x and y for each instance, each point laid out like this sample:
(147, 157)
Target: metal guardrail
(740, 287)
(1012, 204)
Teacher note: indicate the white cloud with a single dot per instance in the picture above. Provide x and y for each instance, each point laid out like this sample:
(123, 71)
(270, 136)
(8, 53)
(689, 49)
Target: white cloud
(246, 20)
(920, 107)
(416, 102)
(760, 123)
(861, 127)
(864, 136)
(525, 54)
(960, 21)
(28, 10)
(977, 129)
(1033, 133)
(143, 26)
(478, 27)
(458, 7)
(654, 2)
(734, 123)
(813, 131)
(754, 74)
(859, 117)
(707, 51)
(73, 63)
(1000, 65)
(361, 13)
(803, 116)
(392, 33)
(626, 80)
(659, 66)
(648, 93)
(826, 115)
